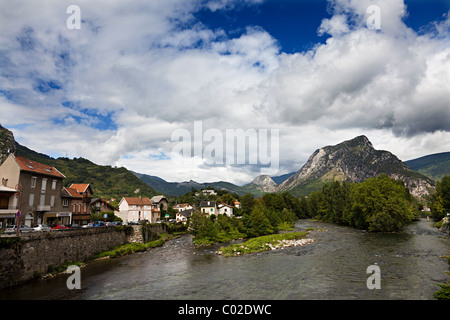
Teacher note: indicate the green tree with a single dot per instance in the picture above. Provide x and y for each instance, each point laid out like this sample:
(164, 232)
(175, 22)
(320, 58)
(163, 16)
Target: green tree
(440, 201)
(247, 203)
(380, 204)
(258, 224)
(227, 199)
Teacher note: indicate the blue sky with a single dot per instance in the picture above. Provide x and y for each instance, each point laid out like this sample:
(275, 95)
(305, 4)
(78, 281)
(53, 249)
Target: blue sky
(116, 90)
(294, 23)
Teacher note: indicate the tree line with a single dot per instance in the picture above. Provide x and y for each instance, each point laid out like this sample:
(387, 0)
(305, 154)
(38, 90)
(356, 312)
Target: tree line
(378, 204)
(265, 215)
(439, 202)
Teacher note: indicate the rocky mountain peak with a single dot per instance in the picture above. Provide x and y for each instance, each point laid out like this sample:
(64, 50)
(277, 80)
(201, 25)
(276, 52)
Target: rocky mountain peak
(265, 183)
(7, 143)
(354, 160)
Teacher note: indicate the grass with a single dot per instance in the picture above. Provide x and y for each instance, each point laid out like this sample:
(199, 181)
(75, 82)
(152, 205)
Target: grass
(260, 244)
(132, 248)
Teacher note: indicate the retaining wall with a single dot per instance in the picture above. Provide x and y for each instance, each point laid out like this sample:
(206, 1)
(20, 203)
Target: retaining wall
(30, 255)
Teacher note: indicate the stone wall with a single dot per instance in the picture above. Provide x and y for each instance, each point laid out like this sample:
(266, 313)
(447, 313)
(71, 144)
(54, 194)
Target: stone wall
(28, 256)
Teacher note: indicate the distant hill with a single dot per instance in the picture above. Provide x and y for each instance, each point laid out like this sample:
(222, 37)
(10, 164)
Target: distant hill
(434, 166)
(181, 188)
(280, 179)
(259, 186)
(106, 181)
(355, 160)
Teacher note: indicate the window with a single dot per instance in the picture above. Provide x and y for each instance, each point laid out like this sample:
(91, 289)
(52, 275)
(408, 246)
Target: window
(65, 202)
(31, 201)
(54, 184)
(33, 182)
(52, 201)
(44, 185)
(42, 202)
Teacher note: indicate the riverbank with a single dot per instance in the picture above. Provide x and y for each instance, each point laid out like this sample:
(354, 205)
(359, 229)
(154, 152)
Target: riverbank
(112, 253)
(266, 243)
(444, 292)
(130, 248)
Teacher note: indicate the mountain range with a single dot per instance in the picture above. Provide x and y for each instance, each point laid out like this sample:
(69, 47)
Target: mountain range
(354, 160)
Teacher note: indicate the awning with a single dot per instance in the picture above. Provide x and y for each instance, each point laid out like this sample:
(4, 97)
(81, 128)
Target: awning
(64, 214)
(7, 189)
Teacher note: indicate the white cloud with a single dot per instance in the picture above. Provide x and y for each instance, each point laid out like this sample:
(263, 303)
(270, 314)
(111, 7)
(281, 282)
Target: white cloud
(151, 68)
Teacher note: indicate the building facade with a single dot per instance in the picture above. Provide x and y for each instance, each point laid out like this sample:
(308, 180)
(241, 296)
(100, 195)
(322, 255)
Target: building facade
(82, 197)
(34, 192)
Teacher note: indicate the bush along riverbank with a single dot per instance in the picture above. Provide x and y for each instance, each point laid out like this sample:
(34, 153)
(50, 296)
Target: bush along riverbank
(133, 247)
(266, 243)
(444, 292)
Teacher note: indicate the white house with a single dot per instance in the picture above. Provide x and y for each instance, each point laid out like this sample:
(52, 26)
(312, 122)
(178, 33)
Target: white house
(225, 209)
(137, 209)
(183, 206)
(183, 215)
(207, 192)
(209, 207)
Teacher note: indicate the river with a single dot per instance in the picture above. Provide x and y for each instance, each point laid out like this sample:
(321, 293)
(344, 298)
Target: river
(333, 267)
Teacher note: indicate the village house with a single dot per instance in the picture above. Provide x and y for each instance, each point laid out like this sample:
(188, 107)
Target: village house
(34, 191)
(160, 202)
(225, 209)
(183, 206)
(206, 192)
(134, 209)
(209, 207)
(184, 215)
(101, 205)
(81, 198)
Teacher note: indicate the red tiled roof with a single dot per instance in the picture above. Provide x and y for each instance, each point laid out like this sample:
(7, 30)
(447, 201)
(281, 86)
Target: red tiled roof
(137, 201)
(74, 192)
(80, 187)
(33, 166)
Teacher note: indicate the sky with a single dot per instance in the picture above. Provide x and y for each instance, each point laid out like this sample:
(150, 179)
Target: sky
(135, 81)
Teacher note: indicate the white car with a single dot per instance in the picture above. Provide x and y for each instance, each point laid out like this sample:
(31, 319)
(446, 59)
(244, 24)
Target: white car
(42, 227)
(89, 225)
(22, 228)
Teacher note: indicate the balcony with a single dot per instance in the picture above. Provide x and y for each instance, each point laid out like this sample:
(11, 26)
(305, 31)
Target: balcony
(12, 210)
(43, 208)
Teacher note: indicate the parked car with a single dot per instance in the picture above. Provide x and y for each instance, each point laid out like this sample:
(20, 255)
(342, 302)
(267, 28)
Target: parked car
(117, 223)
(89, 225)
(42, 227)
(110, 224)
(99, 224)
(22, 228)
(75, 226)
(60, 227)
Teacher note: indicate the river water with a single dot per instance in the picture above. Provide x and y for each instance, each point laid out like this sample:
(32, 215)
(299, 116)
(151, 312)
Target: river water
(333, 267)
